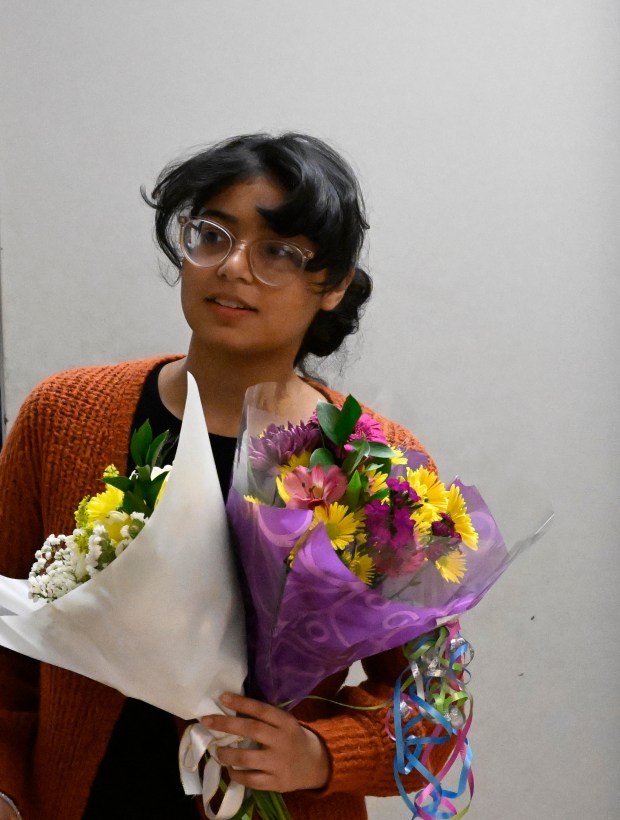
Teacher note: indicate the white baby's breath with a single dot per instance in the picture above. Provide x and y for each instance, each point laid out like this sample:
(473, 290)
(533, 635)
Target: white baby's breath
(53, 573)
(104, 531)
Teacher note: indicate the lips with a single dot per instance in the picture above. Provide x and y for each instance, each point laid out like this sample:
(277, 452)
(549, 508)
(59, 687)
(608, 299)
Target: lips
(230, 302)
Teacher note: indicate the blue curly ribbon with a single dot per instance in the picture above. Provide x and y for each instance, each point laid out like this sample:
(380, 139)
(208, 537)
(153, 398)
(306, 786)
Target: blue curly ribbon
(435, 685)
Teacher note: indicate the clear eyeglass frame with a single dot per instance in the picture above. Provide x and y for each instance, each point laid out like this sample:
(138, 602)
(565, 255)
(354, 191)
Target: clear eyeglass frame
(304, 255)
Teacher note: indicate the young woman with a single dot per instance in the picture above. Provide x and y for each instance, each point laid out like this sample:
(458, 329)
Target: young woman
(266, 233)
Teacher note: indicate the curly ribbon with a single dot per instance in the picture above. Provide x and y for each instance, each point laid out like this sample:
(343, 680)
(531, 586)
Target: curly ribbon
(195, 743)
(434, 685)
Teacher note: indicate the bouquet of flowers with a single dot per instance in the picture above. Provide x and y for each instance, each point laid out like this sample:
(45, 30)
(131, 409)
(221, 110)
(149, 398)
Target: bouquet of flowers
(133, 578)
(106, 522)
(350, 547)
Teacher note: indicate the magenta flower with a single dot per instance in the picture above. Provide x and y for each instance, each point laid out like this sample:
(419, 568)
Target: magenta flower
(267, 453)
(308, 489)
(378, 522)
(445, 527)
(402, 493)
(367, 428)
(392, 541)
(388, 524)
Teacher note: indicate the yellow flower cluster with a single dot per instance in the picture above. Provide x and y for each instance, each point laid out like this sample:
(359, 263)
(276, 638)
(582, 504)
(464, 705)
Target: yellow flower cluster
(345, 523)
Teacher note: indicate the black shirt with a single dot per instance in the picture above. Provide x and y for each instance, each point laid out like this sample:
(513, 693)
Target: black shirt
(138, 778)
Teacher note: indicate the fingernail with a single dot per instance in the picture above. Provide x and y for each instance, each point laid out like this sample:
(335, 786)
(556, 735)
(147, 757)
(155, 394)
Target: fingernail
(225, 699)
(207, 721)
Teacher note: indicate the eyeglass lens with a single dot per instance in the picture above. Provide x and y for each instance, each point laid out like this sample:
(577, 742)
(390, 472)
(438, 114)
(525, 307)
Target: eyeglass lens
(271, 261)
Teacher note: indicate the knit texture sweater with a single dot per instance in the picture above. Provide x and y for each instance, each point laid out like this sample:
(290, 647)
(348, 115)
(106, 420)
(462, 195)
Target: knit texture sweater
(55, 725)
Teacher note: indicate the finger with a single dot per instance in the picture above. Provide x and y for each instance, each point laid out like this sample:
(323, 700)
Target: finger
(254, 780)
(244, 727)
(254, 708)
(255, 759)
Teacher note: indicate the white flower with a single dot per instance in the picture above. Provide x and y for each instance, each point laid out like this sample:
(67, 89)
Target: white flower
(53, 573)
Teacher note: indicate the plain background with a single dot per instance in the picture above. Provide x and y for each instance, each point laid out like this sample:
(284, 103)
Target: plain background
(485, 134)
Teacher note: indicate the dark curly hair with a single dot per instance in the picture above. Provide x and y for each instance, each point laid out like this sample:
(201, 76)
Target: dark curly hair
(323, 202)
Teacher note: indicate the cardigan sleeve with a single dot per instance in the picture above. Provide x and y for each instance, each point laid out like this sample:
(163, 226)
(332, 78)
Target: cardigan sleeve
(360, 751)
(20, 536)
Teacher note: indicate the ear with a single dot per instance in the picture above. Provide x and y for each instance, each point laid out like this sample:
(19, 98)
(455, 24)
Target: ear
(331, 299)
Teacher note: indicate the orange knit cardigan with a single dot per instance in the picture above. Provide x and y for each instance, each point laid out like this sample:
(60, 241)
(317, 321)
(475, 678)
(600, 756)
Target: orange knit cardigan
(54, 724)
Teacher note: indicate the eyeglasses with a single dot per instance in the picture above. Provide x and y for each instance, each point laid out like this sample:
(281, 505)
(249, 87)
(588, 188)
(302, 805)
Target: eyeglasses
(273, 262)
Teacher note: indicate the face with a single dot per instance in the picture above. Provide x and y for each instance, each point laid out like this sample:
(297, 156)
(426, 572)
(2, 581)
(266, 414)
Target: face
(227, 308)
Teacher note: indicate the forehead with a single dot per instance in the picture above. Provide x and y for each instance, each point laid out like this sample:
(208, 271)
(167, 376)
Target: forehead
(242, 199)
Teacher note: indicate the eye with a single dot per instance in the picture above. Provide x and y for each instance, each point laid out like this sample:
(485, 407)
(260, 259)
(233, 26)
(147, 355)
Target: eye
(210, 235)
(282, 251)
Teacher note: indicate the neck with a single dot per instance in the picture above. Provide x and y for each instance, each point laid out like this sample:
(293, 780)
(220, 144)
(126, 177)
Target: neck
(222, 380)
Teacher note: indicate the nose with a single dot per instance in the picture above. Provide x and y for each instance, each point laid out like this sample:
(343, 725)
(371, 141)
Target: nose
(237, 263)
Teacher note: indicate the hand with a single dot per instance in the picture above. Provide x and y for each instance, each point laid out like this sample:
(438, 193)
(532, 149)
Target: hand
(290, 756)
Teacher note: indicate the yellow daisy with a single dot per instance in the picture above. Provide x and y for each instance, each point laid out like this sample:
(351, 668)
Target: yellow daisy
(301, 460)
(340, 524)
(399, 457)
(101, 505)
(451, 566)
(376, 481)
(362, 566)
(457, 510)
(427, 485)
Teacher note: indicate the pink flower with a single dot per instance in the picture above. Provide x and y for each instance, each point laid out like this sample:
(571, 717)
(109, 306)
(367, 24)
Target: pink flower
(308, 489)
(367, 428)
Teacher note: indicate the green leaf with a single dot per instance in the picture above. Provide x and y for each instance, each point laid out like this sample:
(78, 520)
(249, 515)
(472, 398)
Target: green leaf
(349, 415)
(133, 501)
(328, 415)
(354, 488)
(337, 424)
(144, 475)
(322, 456)
(154, 451)
(140, 443)
(118, 481)
(379, 450)
(152, 491)
(382, 465)
(357, 454)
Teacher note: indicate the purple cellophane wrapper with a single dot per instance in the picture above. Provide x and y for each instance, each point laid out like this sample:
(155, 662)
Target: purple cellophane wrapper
(315, 618)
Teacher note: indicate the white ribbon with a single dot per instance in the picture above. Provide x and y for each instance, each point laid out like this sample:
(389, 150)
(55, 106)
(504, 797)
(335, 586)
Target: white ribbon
(197, 741)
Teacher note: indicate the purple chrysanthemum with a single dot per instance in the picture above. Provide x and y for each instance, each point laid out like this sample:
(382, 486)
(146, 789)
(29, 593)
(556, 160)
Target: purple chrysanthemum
(267, 453)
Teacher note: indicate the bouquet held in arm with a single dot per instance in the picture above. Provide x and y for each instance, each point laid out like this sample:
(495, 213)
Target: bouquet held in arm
(350, 547)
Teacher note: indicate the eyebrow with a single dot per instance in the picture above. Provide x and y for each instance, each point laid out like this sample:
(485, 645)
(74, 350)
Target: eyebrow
(210, 212)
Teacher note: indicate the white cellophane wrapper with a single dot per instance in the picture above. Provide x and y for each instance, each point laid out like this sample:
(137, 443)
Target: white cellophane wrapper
(164, 622)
